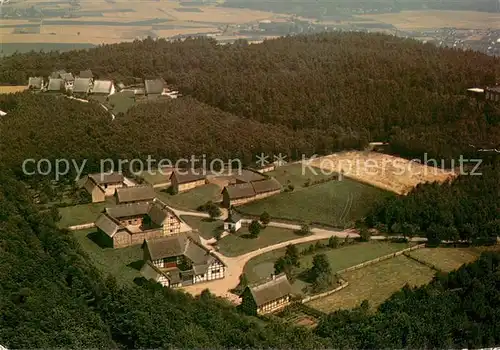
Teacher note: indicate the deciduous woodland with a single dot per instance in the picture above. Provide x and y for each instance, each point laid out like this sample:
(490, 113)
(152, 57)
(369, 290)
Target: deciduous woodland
(304, 94)
(349, 85)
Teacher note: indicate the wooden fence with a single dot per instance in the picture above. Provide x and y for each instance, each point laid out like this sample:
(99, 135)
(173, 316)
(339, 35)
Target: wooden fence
(382, 258)
(420, 261)
(359, 266)
(343, 284)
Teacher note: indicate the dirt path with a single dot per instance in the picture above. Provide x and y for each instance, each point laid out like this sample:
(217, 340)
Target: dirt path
(236, 264)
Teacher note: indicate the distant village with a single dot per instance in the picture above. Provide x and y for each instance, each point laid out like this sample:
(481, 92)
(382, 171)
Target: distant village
(483, 40)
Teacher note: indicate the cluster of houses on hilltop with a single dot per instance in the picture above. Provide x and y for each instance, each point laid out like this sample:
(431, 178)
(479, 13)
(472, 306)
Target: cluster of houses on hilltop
(85, 83)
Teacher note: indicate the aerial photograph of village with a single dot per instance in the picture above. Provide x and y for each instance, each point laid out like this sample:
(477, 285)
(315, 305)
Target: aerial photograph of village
(235, 174)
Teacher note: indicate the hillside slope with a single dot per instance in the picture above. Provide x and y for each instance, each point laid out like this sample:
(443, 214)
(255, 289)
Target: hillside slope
(350, 85)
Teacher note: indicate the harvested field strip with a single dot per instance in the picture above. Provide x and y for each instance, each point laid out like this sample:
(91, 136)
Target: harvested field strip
(446, 259)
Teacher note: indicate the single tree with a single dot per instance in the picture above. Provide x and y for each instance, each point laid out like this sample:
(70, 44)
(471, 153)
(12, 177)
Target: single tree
(292, 255)
(265, 218)
(333, 242)
(254, 228)
(364, 234)
(214, 212)
(304, 230)
(320, 266)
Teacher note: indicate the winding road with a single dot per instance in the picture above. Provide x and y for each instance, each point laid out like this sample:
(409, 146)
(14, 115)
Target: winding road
(235, 265)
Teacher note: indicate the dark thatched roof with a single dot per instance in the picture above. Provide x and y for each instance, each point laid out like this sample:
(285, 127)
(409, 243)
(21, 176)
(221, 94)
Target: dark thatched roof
(270, 290)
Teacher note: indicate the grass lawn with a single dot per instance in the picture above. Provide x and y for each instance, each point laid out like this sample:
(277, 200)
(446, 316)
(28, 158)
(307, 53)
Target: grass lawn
(294, 174)
(80, 214)
(123, 263)
(192, 199)
(375, 283)
(121, 102)
(155, 177)
(241, 242)
(333, 203)
(262, 266)
(447, 259)
(207, 228)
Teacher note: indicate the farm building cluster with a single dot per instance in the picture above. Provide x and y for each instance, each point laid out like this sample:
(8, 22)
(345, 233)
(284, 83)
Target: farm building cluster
(172, 257)
(239, 187)
(85, 83)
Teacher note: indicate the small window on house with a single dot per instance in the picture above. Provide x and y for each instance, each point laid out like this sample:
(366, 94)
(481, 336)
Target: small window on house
(105, 186)
(130, 222)
(216, 271)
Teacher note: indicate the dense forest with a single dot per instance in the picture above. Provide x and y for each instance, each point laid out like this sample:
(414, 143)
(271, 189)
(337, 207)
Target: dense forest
(51, 296)
(348, 85)
(467, 209)
(56, 127)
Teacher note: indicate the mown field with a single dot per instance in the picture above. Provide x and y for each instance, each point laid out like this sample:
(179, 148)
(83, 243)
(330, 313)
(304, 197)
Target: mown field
(428, 19)
(112, 22)
(447, 259)
(192, 199)
(375, 283)
(80, 214)
(241, 242)
(262, 266)
(124, 263)
(297, 175)
(333, 203)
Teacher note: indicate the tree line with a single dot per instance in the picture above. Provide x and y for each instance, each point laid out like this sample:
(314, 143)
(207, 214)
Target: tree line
(468, 209)
(52, 296)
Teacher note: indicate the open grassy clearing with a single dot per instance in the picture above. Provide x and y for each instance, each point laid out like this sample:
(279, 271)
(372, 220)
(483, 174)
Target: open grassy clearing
(296, 175)
(447, 259)
(124, 263)
(331, 203)
(80, 214)
(192, 199)
(121, 102)
(262, 266)
(242, 242)
(339, 258)
(375, 283)
(207, 228)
